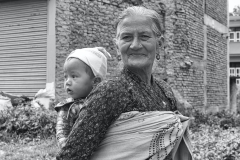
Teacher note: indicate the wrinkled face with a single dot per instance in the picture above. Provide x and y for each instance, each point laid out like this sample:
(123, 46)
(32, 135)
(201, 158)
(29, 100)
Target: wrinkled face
(136, 42)
(77, 82)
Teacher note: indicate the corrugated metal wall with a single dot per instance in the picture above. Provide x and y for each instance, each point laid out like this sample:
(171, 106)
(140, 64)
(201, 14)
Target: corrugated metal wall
(23, 46)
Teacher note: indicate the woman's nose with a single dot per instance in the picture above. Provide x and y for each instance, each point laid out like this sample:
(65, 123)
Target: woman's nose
(136, 43)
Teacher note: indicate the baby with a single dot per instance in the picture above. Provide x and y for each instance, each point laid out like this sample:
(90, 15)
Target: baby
(83, 70)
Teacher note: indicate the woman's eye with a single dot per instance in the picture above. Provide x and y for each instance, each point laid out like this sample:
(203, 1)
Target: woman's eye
(126, 38)
(145, 37)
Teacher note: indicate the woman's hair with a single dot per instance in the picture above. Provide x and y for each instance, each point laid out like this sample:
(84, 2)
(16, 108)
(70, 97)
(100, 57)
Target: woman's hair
(142, 11)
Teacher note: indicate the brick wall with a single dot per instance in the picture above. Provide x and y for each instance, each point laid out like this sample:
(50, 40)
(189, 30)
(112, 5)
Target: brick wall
(188, 42)
(217, 9)
(89, 23)
(216, 68)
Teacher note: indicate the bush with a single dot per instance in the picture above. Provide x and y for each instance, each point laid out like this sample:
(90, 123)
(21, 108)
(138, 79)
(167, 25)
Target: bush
(215, 136)
(215, 143)
(223, 119)
(25, 121)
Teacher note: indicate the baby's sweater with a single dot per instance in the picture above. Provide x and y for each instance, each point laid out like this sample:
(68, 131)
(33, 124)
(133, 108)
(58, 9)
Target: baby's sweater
(67, 113)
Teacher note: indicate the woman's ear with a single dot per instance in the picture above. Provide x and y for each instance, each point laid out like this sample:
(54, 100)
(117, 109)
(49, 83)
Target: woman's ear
(160, 40)
(158, 47)
(116, 45)
(115, 41)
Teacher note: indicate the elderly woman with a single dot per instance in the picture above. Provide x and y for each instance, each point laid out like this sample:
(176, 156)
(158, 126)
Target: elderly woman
(130, 117)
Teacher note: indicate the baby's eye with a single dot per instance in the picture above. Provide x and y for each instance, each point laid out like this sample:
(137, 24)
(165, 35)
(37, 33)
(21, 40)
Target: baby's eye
(65, 76)
(74, 76)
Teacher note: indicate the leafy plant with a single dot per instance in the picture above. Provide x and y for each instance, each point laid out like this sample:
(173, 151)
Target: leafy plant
(215, 136)
(27, 121)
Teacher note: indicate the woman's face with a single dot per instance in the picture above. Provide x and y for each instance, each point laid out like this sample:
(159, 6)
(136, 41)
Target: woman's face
(136, 42)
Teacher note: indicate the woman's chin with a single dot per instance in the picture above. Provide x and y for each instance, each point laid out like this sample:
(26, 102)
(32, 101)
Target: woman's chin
(138, 65)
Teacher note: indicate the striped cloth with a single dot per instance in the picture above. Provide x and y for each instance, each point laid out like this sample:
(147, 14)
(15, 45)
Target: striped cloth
(153, 135)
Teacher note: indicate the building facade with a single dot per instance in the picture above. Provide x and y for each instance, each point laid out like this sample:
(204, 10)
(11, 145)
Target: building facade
(194, 57)
(234, 53)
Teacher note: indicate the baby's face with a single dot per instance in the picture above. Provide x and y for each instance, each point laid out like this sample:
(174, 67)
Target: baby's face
(77, 82)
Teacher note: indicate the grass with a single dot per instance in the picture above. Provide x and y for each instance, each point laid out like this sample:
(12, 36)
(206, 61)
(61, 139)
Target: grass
(34, 150)
(209, 143)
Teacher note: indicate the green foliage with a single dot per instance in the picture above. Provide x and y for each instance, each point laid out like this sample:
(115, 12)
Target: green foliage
(223, 119)
(215, 136)
(216, 143)
(25, 121)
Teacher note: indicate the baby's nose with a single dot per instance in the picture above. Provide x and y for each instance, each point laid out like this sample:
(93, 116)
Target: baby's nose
(68, 81)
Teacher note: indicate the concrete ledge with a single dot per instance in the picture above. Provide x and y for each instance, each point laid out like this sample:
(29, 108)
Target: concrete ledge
(209, 21)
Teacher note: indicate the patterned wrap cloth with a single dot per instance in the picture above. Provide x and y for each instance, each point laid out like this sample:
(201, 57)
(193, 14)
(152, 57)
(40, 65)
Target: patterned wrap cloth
(106, 103)
(146, 135)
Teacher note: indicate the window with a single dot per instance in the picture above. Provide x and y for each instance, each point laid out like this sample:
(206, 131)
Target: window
(234, 36)
(231, 36)
(237, 72)
(238, 81)
(238, 37)
(232, 72)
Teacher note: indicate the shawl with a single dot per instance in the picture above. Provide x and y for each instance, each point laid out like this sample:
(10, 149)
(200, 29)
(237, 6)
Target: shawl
(145, 135)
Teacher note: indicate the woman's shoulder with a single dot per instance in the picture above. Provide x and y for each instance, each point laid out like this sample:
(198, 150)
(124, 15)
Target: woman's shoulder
(163, 84)
(113, 87)
(113, 84)
(165, 87)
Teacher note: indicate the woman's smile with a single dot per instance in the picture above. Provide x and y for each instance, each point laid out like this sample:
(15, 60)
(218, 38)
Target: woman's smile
(137, 54)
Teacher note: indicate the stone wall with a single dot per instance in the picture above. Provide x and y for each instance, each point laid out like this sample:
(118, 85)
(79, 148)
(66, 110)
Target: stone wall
(89, 23)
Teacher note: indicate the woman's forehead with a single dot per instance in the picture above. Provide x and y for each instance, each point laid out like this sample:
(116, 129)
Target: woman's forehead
(135, 23)
(135, 20)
